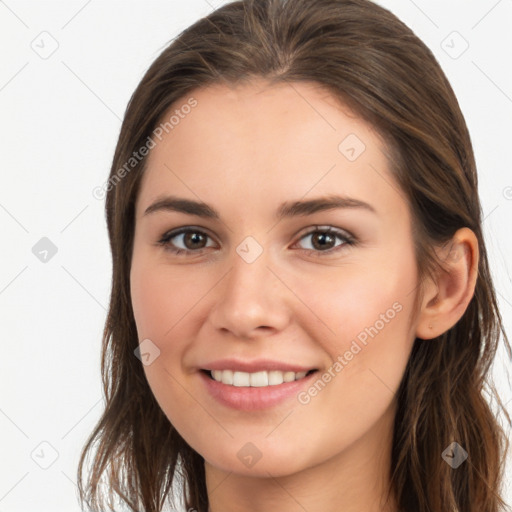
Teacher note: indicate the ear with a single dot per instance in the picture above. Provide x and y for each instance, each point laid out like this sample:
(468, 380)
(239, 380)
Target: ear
(446, 298)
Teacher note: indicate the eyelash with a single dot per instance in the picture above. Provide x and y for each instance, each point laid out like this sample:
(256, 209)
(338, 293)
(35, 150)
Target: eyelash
(349, 240)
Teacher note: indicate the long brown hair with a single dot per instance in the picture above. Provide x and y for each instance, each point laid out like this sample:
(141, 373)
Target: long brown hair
(373, 63)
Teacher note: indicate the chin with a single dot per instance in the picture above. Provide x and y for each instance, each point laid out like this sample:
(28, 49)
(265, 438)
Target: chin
(249, 460)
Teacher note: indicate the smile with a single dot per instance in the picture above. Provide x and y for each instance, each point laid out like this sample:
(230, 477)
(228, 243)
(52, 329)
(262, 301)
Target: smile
(244, 396)
(255, 379)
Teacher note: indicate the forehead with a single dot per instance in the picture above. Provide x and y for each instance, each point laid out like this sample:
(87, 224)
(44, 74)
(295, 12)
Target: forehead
(305, 112)
(289, 137)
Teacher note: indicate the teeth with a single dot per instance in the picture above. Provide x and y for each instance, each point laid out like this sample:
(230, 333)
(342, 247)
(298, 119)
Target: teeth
(257, 379)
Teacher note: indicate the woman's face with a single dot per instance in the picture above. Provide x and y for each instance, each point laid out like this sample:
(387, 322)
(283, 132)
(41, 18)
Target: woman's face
(262, 279)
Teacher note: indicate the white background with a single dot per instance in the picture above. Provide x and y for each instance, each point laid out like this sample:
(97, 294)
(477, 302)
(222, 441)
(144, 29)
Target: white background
(59, 121)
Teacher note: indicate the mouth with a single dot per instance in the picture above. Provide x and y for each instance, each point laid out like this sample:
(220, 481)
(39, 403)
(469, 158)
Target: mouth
(257, 391)
(255, 379)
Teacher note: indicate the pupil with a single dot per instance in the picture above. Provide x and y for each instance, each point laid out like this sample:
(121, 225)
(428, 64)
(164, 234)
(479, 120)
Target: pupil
(322, 236)
(194, 237)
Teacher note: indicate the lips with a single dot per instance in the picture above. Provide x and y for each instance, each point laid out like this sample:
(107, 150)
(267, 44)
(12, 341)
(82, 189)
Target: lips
(253, 398)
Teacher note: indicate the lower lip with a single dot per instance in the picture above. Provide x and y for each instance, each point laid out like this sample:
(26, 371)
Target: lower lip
(254, 398)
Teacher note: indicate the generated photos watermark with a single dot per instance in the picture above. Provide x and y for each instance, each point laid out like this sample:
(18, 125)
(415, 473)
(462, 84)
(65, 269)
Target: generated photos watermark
(304, 397)
(174, 120)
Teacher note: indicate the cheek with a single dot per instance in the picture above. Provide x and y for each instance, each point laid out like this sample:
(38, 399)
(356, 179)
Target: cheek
(160, 306)
(158, 300)
(163, 304)
(348, 304)
(366, 317)
(148, 304)
(369, 349)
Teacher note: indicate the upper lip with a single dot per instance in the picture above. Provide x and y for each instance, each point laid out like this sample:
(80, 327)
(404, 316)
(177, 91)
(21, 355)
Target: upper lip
(256, 365)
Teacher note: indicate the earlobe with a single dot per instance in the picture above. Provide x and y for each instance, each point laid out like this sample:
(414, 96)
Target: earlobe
(446, 299)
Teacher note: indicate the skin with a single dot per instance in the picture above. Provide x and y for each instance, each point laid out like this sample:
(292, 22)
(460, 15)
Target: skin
(244, 150)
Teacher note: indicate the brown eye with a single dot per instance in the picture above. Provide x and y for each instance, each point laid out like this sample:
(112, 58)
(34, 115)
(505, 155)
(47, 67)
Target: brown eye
(324, 240)
(193, 240)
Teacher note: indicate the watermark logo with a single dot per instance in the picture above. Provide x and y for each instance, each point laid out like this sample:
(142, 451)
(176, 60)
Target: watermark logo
(44, 250)
(44, 455)
(454, 455)
(249, 454)
(147, 352)
(352, 147)
(249, 249)
(45, 45)
(454, 45)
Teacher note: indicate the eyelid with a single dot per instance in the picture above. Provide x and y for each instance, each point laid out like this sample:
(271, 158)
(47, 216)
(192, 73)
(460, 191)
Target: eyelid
(327, 228)
(185, 229)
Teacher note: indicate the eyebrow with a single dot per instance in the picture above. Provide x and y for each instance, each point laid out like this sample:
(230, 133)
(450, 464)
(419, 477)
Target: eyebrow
(286, 210)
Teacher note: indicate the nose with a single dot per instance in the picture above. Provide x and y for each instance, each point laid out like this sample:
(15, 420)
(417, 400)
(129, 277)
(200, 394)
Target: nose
(251, 300)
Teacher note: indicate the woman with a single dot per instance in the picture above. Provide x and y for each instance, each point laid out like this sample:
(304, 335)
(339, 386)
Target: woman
(326, 344)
